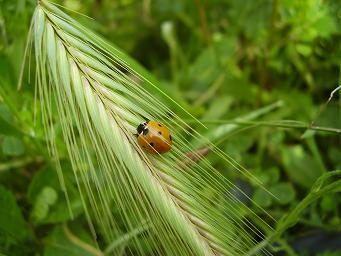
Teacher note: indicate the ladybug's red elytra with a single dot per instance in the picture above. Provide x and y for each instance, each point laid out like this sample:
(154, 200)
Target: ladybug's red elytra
(154, 137)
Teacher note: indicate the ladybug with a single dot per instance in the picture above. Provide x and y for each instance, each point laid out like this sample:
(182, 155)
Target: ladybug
(154, 137)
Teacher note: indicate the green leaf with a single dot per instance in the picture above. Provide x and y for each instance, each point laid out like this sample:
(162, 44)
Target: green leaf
(265, 177)
(219, 107)
(304, 49)
(274, 174)
(60, 243)
(262, 198)
(284, 192)
(328, 203)
(44, 177)
(12, 146)
(47, 197)
(12, 223)
(326, 26)
(251, 18)
(5, 113)
(302, 168)
(60, 212)
(6, 121)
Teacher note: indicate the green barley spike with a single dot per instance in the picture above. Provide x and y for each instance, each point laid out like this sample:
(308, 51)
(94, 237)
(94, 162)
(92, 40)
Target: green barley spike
(178, 206)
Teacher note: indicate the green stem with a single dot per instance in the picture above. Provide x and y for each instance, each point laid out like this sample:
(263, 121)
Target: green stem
(292, 218)
(217, 83)
(279, 124)
(285, 246)
(125, 238)
(85, 246)
(19, 163)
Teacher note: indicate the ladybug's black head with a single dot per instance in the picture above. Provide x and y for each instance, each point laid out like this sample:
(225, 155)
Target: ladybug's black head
(141, 127)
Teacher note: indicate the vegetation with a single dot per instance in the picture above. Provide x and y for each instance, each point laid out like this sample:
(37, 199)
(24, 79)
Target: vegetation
(253, 77)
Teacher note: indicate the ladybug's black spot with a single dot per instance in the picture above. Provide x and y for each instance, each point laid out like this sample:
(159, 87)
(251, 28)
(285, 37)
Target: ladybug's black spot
(145, 131)
(144, 146)
(152, 144)
(159, 125)
(160, 133)
(140, 128)
(170, 137)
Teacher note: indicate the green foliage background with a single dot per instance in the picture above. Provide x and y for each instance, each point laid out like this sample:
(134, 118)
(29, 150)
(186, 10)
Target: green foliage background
(220, 60)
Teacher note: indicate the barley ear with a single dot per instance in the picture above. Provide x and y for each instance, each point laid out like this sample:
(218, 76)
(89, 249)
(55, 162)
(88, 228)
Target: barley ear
(93, 90)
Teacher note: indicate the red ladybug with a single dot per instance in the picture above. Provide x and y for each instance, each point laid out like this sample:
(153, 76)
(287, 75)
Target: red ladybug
(154, 137)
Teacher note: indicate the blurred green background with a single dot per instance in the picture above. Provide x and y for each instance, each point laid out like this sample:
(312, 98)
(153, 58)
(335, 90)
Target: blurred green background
(221, 60)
